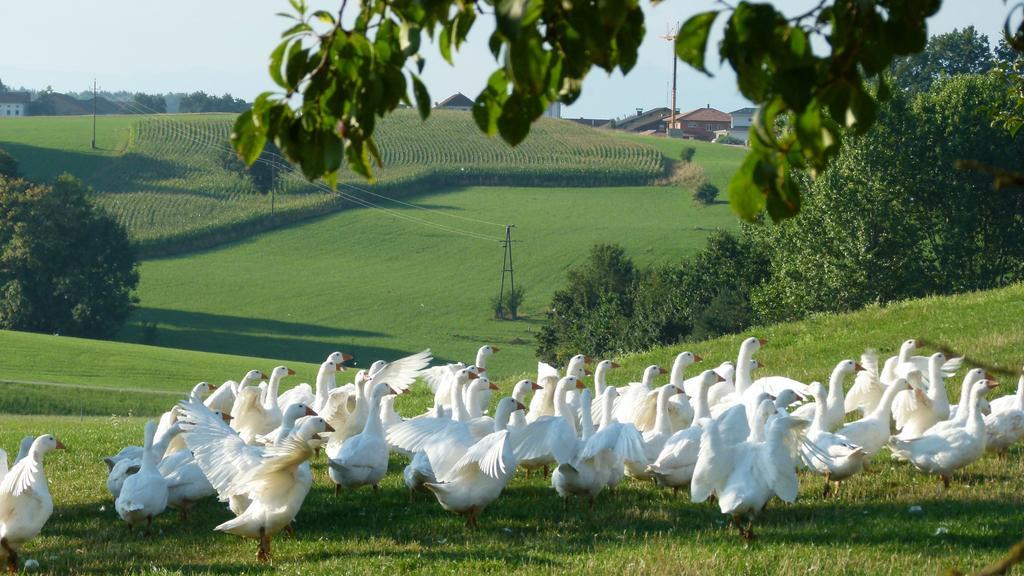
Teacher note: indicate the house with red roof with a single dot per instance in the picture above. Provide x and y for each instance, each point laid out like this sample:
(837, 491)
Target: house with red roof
(703, 123)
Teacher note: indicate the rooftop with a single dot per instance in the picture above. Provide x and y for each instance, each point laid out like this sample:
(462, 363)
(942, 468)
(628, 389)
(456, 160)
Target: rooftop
(15, 97)
(705, 115)
(457, 100)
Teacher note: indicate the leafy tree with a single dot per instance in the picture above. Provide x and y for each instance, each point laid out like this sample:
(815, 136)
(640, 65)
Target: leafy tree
(8, 165)
(203, 102)
(894, 218)
(44, 104)
(338, 73)
(66, 266)
(591, 311)
(3, 88)
(964, 51)
(151, 103)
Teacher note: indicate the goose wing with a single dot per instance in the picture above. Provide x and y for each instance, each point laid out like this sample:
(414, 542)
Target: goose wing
(219, 451)
(401, 373)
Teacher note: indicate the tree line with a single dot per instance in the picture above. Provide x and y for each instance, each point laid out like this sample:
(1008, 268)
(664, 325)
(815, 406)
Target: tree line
(895, 216)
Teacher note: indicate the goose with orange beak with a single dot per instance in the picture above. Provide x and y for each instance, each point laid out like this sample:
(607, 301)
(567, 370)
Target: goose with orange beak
(265, 486)
(25, 501)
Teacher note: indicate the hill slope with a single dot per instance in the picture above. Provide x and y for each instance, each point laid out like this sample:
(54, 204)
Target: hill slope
(982, 325)
(173, 180)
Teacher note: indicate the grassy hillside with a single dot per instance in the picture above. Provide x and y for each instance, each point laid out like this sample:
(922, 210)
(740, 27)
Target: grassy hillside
(718, 161)
(868, 529)
(981, 325)
(174, 182)
(381, 285)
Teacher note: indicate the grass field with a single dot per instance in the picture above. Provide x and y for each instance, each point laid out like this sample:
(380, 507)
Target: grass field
(380, 285)
(868, 529)
(174, 182)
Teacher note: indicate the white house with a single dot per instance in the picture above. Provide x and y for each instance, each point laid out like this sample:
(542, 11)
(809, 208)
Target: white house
(14, 104)
(743, 118)
(554, 110)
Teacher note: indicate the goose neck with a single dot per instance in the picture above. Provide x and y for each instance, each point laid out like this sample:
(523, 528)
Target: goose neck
(701, 409)
(661, 420)
(459, 412)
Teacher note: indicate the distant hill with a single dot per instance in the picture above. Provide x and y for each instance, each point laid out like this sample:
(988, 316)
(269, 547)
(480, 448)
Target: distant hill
(176, 184)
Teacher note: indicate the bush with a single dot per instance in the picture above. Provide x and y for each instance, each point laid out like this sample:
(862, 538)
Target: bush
(506, 307)
(706, 193)
(728, 139)
(687, 154)
(66, 267)
(8, 165)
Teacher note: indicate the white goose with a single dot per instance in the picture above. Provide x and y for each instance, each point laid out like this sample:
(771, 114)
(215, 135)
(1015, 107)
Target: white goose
(872, 431)
(834, 404)
(946, 451)
(126, 467)
(362, 459)
(745, 476)
(171, 416)
(680, 412)
(271, 482)
(223, 398)
(549, 439)
(519, 392)
(830, 455)
(412, 435)
(742, 382)
(482, 354)
(958, 418)
(655, 438)
(631, 397)
(143, 494)
(915, 412)
(597, 456)
(477, 478)
(25, 501)
(445, 449)
(291, 414)
(543, 402)
(325, 382)
(1005, 427)
(673, 467)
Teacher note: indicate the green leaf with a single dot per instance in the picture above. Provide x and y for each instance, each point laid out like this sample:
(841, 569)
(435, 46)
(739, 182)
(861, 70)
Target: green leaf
(247, 138)
(692, 39)
(422, 97)
(324, 16)
(276, 59)
(444, 43)
(745, 197)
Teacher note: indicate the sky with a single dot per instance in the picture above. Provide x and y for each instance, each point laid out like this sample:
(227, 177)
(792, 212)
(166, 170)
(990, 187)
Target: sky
(223, 46)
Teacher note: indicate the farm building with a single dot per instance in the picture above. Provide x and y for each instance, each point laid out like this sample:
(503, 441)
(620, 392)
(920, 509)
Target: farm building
(593, 122)
(743, 118)
(457, 101)
(703, 123)
(14, 103)
(650, 122)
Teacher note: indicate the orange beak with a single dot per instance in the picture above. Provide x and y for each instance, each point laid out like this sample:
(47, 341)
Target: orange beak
(473, 376)
(495, 349)
(225, 417)
(520, 406)
(662, 370)
(264, 376)
(291, 372)
(211, 387)
(762, 341)
(918, 343)
(857, 367)
(338, 368)
(310, 412)
(616, 365)
(992, 384)
(989, 376)
(759, 364)
(60, 445)
(718, 378)
(481, 370)
(328, 427)
(347, 357)
(698, 358)
(587, 372)
(492, 386)
(588, 360)
(535, 386)
(580, 385)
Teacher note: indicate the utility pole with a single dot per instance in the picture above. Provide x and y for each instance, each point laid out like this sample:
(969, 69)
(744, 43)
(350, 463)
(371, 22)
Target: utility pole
(93, 113)
(507, 267)
(671, 37)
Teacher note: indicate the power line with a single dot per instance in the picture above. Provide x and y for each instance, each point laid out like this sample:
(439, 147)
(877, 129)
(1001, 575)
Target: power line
(136, 108)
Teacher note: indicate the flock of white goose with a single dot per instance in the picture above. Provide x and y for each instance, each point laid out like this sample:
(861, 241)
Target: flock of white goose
(720, 433)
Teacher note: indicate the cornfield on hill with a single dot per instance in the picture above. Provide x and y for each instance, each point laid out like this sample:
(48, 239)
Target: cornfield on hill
(177, 185)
